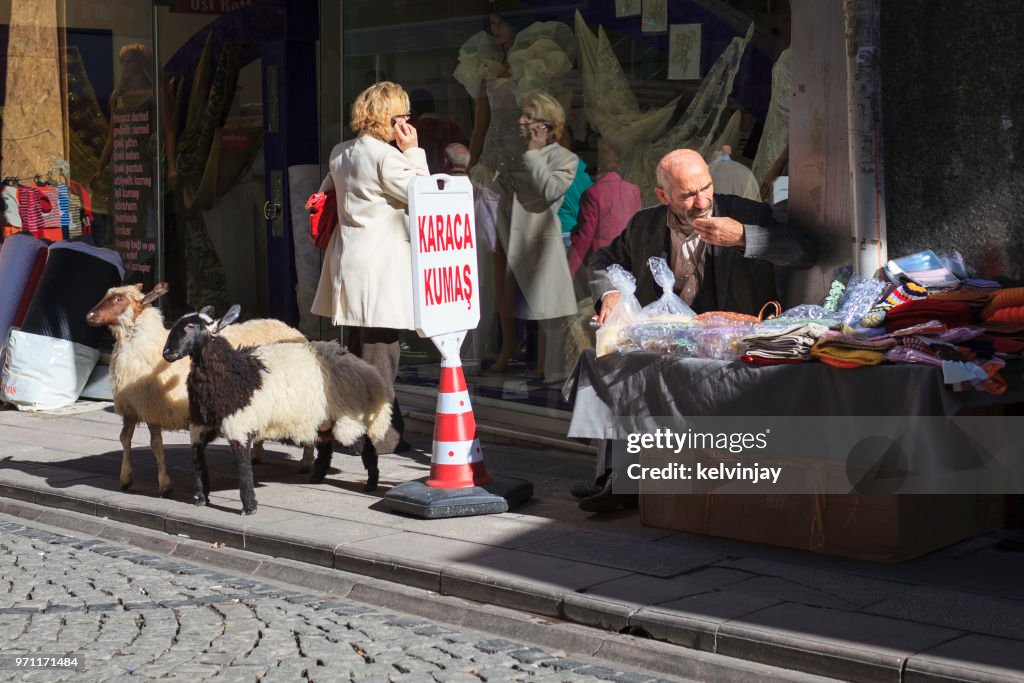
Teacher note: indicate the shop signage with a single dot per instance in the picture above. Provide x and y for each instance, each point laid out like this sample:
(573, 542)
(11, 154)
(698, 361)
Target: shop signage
(443, 240)
(233, 139)
(208, 6)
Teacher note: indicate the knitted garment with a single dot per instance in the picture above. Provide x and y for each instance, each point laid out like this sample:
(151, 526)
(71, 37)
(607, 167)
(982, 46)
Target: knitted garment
(951, 313)
(1005, 298)
(845, 356)
(840, 339)
(1009, 314)
(903, 294)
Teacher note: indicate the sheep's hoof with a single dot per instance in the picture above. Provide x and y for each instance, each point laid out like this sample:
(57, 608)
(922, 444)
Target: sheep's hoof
(249, 511)
(372, 478)
(125, 485)
(167, 494)
(200, 499)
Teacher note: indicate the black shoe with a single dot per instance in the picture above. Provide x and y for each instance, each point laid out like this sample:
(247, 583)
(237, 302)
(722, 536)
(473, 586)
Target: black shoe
(584, 489)
(606, 501)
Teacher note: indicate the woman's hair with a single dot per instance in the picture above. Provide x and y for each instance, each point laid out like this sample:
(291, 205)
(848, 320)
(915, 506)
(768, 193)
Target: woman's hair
(374, 107)
(547, 108)
(143, 56)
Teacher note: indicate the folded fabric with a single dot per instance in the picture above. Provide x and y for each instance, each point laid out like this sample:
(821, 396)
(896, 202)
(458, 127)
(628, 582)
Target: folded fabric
(845, 356)
(1006, 298)
(794, 341)
(903, 354)
(974, 297)
(979, 283)
(901, 295)
(834, 338)
(950, 313)
(759, 360)
(1003, 345)
(1010, 314)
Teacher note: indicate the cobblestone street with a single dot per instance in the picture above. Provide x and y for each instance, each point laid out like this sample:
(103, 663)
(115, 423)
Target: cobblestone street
(131, 614)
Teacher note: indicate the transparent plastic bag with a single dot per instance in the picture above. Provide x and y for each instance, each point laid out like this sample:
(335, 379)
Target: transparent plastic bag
(664, 336)
(861, 294)
(722, 342)
(611, 336)
(668, 305)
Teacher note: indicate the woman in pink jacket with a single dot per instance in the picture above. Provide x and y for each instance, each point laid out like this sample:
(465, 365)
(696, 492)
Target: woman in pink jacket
(605, 209)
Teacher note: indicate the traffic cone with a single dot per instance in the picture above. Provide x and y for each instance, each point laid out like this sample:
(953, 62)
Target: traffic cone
(457, 460)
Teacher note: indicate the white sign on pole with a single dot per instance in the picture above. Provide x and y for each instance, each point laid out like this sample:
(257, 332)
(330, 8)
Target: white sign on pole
(442, 229)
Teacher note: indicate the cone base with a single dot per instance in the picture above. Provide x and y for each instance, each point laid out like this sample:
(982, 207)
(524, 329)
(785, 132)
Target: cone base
(417, 499)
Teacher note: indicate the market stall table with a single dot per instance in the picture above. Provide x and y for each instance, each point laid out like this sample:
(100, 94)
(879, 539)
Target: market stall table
(620, 394)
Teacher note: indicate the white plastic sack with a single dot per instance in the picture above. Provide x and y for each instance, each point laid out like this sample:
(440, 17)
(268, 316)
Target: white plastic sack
(43, 373)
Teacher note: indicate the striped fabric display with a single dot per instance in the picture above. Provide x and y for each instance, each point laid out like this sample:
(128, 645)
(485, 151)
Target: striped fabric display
(901, 295)
(30, 210)
(75, 219)
(64, 203)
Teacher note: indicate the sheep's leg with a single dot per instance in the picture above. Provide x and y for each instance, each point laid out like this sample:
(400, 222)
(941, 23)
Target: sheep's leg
(156, 443)
(127, 471)
(246, 486)
(370, 460)
(257, 453)
(324, 452)
(307, 460)
(201, 486)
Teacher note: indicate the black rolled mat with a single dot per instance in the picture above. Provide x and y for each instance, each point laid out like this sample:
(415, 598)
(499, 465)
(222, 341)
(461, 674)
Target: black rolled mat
(73, 281)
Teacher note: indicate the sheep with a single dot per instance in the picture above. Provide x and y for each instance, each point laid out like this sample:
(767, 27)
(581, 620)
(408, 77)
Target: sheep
(312, 393)
(147, 388)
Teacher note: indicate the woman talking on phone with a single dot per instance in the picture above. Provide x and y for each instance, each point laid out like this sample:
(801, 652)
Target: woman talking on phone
(366, 280)
(529, 229)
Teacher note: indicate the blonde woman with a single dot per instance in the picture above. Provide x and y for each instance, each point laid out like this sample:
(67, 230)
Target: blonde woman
(531, 253)
(366, 281)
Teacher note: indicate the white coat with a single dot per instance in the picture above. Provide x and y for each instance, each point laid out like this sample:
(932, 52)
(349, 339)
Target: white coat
(366, 279)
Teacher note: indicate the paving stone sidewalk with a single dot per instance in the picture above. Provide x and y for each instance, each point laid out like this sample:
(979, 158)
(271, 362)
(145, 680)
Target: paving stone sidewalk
(957, 614)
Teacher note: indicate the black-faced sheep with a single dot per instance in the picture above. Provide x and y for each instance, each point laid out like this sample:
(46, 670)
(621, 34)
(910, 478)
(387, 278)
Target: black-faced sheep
(312, 393)
(147, 388)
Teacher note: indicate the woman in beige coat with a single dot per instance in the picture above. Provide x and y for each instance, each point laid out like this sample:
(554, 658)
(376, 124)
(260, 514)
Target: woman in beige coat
(532, 253)
(366, 280)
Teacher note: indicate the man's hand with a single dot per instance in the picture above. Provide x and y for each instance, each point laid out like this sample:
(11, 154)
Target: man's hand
(405, 136)
(608, 303)
(720, 231)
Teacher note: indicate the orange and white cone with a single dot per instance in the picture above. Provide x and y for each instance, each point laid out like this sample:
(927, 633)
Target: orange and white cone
(458, 460)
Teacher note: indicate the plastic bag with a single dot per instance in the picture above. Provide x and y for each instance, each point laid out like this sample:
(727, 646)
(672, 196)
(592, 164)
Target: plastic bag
(861, 294)
(611, 337)
(668, 305)
(722, 342)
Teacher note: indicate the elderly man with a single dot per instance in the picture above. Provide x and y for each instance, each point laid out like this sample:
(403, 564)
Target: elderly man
(456, 159)
(723, 250)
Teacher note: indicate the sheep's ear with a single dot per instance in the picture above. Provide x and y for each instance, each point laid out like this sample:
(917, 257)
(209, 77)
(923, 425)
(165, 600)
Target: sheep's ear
(229, 317)
(207, 311)
(159, 289)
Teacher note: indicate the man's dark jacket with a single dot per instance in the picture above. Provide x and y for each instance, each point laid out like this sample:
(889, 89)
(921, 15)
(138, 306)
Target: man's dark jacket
(736, 279)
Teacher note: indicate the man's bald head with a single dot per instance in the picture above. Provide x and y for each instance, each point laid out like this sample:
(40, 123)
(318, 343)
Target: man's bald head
(679, 162)
(684, 184)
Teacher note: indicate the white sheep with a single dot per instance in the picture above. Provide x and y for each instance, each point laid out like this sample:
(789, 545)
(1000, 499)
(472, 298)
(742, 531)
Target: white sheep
(147, 388)
(312, 393)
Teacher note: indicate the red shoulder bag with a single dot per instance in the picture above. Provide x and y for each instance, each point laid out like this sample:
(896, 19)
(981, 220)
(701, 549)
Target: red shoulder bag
(323, 217)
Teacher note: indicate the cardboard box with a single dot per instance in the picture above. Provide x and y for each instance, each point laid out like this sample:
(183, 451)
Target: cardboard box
(877, 527)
